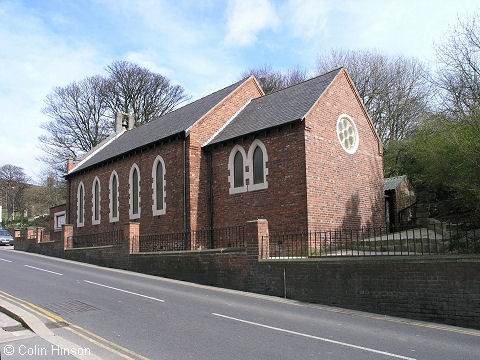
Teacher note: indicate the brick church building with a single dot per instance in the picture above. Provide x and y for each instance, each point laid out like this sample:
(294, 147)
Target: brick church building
(305, 158)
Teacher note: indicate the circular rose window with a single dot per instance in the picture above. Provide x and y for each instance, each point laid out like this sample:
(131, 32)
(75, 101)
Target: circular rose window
(347, 133)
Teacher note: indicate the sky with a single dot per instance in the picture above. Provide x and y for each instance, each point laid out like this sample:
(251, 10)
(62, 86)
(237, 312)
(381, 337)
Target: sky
(201, 45)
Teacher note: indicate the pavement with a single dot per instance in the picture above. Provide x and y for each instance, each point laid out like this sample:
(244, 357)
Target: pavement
(18, 341)
(118, 314)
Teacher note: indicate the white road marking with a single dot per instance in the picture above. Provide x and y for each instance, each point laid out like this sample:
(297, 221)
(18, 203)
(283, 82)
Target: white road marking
(36, 268)
(6, 260)
(125, 291)
(316, 338)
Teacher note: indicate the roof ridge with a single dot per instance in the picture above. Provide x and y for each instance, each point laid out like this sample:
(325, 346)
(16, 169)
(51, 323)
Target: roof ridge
(299, 83)
(181, 107)
(203, 97)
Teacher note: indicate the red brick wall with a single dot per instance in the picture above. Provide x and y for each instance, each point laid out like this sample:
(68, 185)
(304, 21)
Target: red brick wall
(200, 133)
(55, 235)
(344, 190)
(172, 221)
(283, 203)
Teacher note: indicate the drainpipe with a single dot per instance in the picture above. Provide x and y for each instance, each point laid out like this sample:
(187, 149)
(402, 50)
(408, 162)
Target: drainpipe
(68, 200)
(210, 208)
(185, 191)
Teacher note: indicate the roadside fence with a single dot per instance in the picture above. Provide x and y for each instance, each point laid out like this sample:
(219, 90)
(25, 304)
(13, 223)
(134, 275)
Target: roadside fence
(98, 239)
(436, 239)
(226, 237)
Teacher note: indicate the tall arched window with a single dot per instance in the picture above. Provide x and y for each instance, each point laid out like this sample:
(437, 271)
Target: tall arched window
(80, 205)
(114, 197)
(134, 192)
(238, 180)
(257, 164)
(158, 187)
(96, 201)
(236, 167)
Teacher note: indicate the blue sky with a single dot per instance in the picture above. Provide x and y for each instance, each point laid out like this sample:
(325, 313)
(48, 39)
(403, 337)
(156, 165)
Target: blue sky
(202, 45)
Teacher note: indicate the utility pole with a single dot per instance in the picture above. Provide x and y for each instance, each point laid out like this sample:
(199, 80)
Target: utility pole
(13, 203)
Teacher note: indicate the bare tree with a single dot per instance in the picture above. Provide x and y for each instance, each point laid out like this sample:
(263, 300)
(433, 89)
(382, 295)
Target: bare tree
(133, 89)
(13, 182)
(79, 120)
(394, 90)
(273, 80)
(459, 68)
(82, 113)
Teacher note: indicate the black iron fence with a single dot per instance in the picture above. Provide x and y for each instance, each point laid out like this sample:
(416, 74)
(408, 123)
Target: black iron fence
(374, 241)
(99, 239)
(227, 237)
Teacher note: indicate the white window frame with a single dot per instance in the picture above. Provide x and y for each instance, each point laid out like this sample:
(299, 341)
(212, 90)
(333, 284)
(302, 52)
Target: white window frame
(57, 228)
(357, 138)
(80, 224)
(96, 222)
(110, 197)
(155, 211)
(130, 193)
(231, 170)
(251, 150)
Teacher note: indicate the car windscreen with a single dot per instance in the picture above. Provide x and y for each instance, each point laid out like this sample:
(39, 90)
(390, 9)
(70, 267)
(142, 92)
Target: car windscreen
(4, 233)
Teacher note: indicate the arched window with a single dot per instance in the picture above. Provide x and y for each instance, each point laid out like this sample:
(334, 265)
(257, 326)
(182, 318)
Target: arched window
(238, 179)
(158, 187)
(134, 192)
(114, 197)
(80, 205)
(236, 167)
(96, 201)
(257, 164)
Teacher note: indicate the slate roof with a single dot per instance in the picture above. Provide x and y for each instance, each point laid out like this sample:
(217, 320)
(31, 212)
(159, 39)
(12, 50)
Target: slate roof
(163, 127)
(393, 182)
(277, 108)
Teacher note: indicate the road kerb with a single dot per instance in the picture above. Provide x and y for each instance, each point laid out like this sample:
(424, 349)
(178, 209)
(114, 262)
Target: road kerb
(38, 327)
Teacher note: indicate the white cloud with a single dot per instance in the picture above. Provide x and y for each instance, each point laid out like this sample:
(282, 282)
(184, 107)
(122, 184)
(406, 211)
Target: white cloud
(148, 59)
(246, 18)
(308, 18)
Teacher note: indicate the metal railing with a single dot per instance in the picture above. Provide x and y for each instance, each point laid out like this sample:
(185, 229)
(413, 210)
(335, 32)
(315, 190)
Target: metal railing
(435, 239)
(99, 239)
(227, 237)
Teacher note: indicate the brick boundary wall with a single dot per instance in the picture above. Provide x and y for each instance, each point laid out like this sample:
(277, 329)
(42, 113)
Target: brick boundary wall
(440, 288)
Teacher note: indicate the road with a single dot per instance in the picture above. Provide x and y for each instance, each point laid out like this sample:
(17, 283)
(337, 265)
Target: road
(118, 314)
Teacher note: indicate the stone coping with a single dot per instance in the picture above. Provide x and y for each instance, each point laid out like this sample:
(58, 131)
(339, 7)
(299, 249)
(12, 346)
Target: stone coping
(193, 252)
(418, 259)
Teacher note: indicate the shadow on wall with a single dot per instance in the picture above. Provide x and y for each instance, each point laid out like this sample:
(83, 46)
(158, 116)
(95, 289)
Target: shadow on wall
(352, 218)
(372, 217)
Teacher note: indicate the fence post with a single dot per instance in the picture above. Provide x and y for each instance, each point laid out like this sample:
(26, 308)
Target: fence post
(19, 243)
(257, 240)
(131, 232)
(67, 236)
(40, 231)
(31, 235)
(254, 232)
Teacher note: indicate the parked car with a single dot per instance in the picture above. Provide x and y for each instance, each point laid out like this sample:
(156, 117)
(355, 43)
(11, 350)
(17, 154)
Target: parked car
(5, 238)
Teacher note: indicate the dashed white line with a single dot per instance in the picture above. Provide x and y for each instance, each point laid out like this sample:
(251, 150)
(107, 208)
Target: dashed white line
(125, 291)
(317, 338)
(36, 268)
(6, 260)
